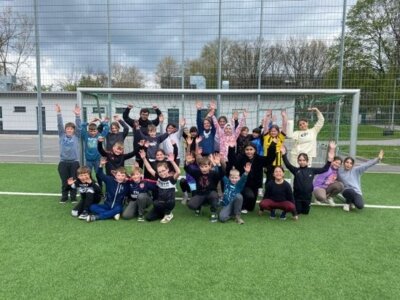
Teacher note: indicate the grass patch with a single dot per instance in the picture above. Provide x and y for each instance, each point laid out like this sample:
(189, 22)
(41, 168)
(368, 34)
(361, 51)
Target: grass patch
(365, 132)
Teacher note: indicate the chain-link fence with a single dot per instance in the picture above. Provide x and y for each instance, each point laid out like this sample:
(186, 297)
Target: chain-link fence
(55, 46)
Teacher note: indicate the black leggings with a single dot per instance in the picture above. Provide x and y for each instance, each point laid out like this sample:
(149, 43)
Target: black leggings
(352, 197)
(249, 198)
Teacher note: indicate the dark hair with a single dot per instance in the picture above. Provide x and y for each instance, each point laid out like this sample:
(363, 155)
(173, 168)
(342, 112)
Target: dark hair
(193, 129)
(337, 158)
(304, 155)
(244, 128)
(83, 170)
(349, 158)
(250, 144)
(224, 118)
(302, 119)
(257, 130)
(116, 124)
(274, 126)
(92, 126)
(280, 167)
(171, 124)
(145, 110)
(70, 124)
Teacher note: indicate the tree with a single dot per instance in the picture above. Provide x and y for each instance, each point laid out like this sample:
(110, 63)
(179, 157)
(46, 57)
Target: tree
(126, 76)
(16, 45)
(168, 72)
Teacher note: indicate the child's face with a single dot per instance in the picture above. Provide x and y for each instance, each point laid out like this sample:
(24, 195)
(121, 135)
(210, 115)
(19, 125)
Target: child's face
(222, 122)
(189, 158)
(69, 131)
(249, 151)
(152, 133)
(120, 177)
(348, 164)
(234, 178)
(160, 156)
(278, 174)
(93, 132)
(136, 177)
(302, 162)
(255, 135)
(84, 178)
(205, 168)
(117, 150)
(303, 125)
(170, 129)
(228, 130)
(114, 129)
(206, 125)
(193, 134)
(273, 132)
(336, 164)
(163, 172)
(244, 132)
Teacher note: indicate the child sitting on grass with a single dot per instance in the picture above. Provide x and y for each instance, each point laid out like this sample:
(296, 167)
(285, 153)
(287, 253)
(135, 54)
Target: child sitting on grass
(69, 141)
(116, 188)
(164, 194)
(139, 198)
(232, 200)
(90, 192)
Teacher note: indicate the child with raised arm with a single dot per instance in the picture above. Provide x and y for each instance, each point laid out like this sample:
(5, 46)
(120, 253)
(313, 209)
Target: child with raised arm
(115, 136)
(304, 176)
(305, 139)
(164, 194)
(116, 157)
(90, 135)
(206, 132)
(206, 184)
(139, 198)
(69, 142)
(232, 199)
(90, 192)
(350, 176)
(116, 191)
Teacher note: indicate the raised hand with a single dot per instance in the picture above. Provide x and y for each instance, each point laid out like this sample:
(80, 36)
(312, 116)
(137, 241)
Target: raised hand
(130, 106)
(77, 110)
(189, 140)
(100, 139)
(170, 157)
(142, 154)
(161, 118)
(155, 106)
(283, 113)
(70, 181)
(199, 139)
(245, 114)
(380, 155)
(283, 150)
(117, 118)
(247, 167)
(182, 123)
(199, 105)
(58, 108)
(213, 105)
(103, 161)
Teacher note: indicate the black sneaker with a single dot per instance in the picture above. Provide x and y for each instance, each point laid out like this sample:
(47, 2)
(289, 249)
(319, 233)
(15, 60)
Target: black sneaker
(282, 217)
(83, 215)
(63, 201)
(272, 215)
(214, 218)
(74, 201)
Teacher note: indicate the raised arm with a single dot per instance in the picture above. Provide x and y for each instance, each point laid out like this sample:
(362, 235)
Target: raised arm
(171, 159)
(60, 123)
(156, 121)
(127, 119)
(100, 146)
(284, 121)
(288, 165)
(78, 125)
(320, 122)
(146, 163)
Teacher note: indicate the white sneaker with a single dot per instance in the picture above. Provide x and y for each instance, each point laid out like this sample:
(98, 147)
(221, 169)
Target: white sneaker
(346, 207)
(117, 217)
(244, 211)
(74, 213)
(330, 201)
(167, 218)
(317, 202)
(185, 198)
(352, 206)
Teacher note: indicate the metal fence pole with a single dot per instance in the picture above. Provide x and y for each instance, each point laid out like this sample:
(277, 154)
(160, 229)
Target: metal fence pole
(219, 57)
(38, 84)
(109, 58)
(259, 60)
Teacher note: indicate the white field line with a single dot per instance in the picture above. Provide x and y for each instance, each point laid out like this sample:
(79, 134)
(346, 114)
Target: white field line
(178, 198)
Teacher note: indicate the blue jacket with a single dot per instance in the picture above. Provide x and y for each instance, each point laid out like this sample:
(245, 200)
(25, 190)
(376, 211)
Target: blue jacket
(69, 145)
(90, 143)
(116, 191)
(231, 190)
(207, 143)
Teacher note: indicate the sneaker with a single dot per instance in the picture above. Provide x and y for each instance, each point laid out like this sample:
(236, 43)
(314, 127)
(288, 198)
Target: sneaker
(260, 192)
(295, 218)
(91, 218)
(214, 218)
(346, 207)
(352, 206)
(167, 218)
(317, 202)
(272, 215)
(74, 201)
(117, 217)
(74, 213)
(83, 216)
(330, 201)
(140, 218)
(282, 217)
(244, 211)
(63, 201)
(239, 220)
(197, 212)
(185, 198)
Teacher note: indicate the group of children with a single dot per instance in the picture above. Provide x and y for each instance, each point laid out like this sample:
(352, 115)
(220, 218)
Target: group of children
(224, 167)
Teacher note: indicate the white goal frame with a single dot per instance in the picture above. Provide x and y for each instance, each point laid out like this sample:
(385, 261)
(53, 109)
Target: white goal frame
(354, 93)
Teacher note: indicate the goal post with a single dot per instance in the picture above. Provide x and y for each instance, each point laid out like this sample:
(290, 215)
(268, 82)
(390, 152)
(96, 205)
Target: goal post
(181, 103)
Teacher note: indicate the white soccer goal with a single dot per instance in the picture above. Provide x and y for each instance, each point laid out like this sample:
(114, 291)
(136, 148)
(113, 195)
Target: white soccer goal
(339, 106)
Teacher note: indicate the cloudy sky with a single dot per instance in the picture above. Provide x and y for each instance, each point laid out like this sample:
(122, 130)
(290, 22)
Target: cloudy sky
(73, 33)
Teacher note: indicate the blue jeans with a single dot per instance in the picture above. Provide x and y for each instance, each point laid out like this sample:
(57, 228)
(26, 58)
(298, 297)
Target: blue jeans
(104, 211)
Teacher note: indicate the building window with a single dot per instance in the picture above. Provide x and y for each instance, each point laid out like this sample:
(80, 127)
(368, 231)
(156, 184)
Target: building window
(96, 110)
(120, 110)
(173, 116)
(19, 109)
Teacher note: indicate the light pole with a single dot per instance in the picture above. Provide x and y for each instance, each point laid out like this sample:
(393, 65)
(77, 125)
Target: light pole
(394, 101)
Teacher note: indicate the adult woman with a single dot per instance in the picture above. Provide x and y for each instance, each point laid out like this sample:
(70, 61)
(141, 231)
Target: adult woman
(350, 177)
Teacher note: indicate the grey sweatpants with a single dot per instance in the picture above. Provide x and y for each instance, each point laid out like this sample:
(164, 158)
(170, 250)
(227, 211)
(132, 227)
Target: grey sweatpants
(232, 209)
(137, 207)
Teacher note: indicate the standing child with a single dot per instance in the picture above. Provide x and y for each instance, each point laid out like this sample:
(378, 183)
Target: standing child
(164, 195)
(206, 132)
(117, 189)
(115, 136)
(69, 140)
(232, 200)
(304, 176)
(90, 135)
(90, 192)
